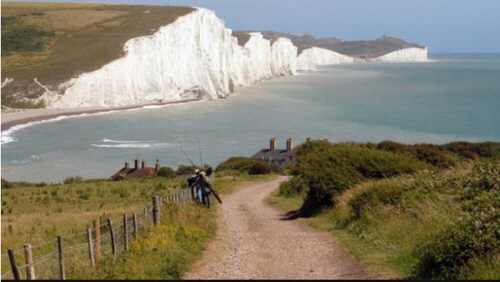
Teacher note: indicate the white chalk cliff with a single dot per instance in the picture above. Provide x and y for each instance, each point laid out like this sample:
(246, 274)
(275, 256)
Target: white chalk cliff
(413, 54)
(191, 57)
(311, 57)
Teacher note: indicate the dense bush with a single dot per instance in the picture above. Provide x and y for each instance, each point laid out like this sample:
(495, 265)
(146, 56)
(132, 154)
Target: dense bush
(328, 169)
(474, 150)
(246, 165)
(190, 169)
(434, 156)
(447, 155)
(475, 235)
(296, 186)
(166, 172)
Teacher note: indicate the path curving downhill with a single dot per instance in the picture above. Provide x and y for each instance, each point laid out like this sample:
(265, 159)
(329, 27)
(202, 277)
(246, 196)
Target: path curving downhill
(254, 242)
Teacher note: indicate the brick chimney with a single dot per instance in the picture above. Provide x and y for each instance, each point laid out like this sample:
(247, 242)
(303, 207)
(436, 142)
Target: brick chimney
(127, 165)
(157, 165)
(136, 162)
(272, 143)
(289, 144)
(143, 164)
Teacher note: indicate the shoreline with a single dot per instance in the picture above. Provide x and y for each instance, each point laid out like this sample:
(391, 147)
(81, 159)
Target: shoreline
(26, 116)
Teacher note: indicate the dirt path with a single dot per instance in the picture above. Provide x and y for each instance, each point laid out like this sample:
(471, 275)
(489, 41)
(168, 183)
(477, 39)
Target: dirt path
(254, 242)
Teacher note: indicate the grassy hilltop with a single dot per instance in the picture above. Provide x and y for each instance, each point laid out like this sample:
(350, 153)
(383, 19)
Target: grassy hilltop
(54, 42)
(355, 48)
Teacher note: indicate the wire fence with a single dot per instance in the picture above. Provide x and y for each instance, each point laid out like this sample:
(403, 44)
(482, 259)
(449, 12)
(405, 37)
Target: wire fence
(60, 257)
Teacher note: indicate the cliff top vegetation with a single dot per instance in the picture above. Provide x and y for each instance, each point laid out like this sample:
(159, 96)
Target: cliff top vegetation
(55, 42)
(359, 48)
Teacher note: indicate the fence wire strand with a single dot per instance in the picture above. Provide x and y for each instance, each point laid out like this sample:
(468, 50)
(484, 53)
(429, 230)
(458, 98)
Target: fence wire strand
(74, 247)
(46, 272)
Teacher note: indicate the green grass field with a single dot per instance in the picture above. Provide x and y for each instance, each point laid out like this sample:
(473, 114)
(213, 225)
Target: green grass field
(36, 214)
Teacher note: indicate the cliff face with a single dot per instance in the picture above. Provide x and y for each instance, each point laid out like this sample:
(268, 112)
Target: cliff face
(309, 58)
(195, 56)
(413, 54)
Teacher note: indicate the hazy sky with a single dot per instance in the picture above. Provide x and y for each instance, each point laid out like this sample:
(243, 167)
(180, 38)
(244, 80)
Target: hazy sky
(442, 25)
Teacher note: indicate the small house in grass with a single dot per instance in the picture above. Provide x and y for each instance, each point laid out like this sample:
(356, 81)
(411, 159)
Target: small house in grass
(137, 171)
(278, 157)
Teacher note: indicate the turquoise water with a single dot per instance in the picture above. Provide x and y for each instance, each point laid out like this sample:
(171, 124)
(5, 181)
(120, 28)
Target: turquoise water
(451, 98)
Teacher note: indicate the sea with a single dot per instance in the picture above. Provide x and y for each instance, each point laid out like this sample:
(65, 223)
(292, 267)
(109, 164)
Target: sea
(452, 97)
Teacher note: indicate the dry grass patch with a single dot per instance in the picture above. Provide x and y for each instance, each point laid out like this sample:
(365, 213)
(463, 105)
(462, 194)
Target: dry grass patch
(68, 20)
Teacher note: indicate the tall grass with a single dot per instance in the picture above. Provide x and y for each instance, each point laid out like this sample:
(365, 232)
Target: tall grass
(430, 225)
(414, 211)
(37, 213)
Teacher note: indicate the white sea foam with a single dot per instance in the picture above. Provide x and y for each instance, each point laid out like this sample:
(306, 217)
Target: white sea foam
(8, 135)
(106, 140)
(135, 145)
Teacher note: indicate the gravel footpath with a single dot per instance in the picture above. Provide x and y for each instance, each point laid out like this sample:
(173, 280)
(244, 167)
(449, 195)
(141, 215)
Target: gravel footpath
(254, 242)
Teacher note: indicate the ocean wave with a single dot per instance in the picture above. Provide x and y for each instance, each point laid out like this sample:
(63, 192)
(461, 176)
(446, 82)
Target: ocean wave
(7, 135)
(24, 160)
(136, 145)
(106, 140)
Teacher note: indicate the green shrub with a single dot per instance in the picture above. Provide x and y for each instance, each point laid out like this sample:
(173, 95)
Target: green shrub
(474, 150)
(328, 169)
(395, 147)
(444, 156)
(296, 186)
(186, 169)
(246, 165)
(166, 172)
(434, 156)
(475, 235)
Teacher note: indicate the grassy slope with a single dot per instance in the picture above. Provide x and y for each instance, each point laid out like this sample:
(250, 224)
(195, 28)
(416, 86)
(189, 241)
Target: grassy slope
(399, 217)
(37, 214)
(87, 37)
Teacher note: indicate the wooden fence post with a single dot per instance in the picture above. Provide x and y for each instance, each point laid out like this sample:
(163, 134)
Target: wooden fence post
(134, 221)
(125, 235)
(13, 265)
(97, 234)
(91, 247)
(112, 235)
(30, 268)
(156, 211)
(62, 273)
